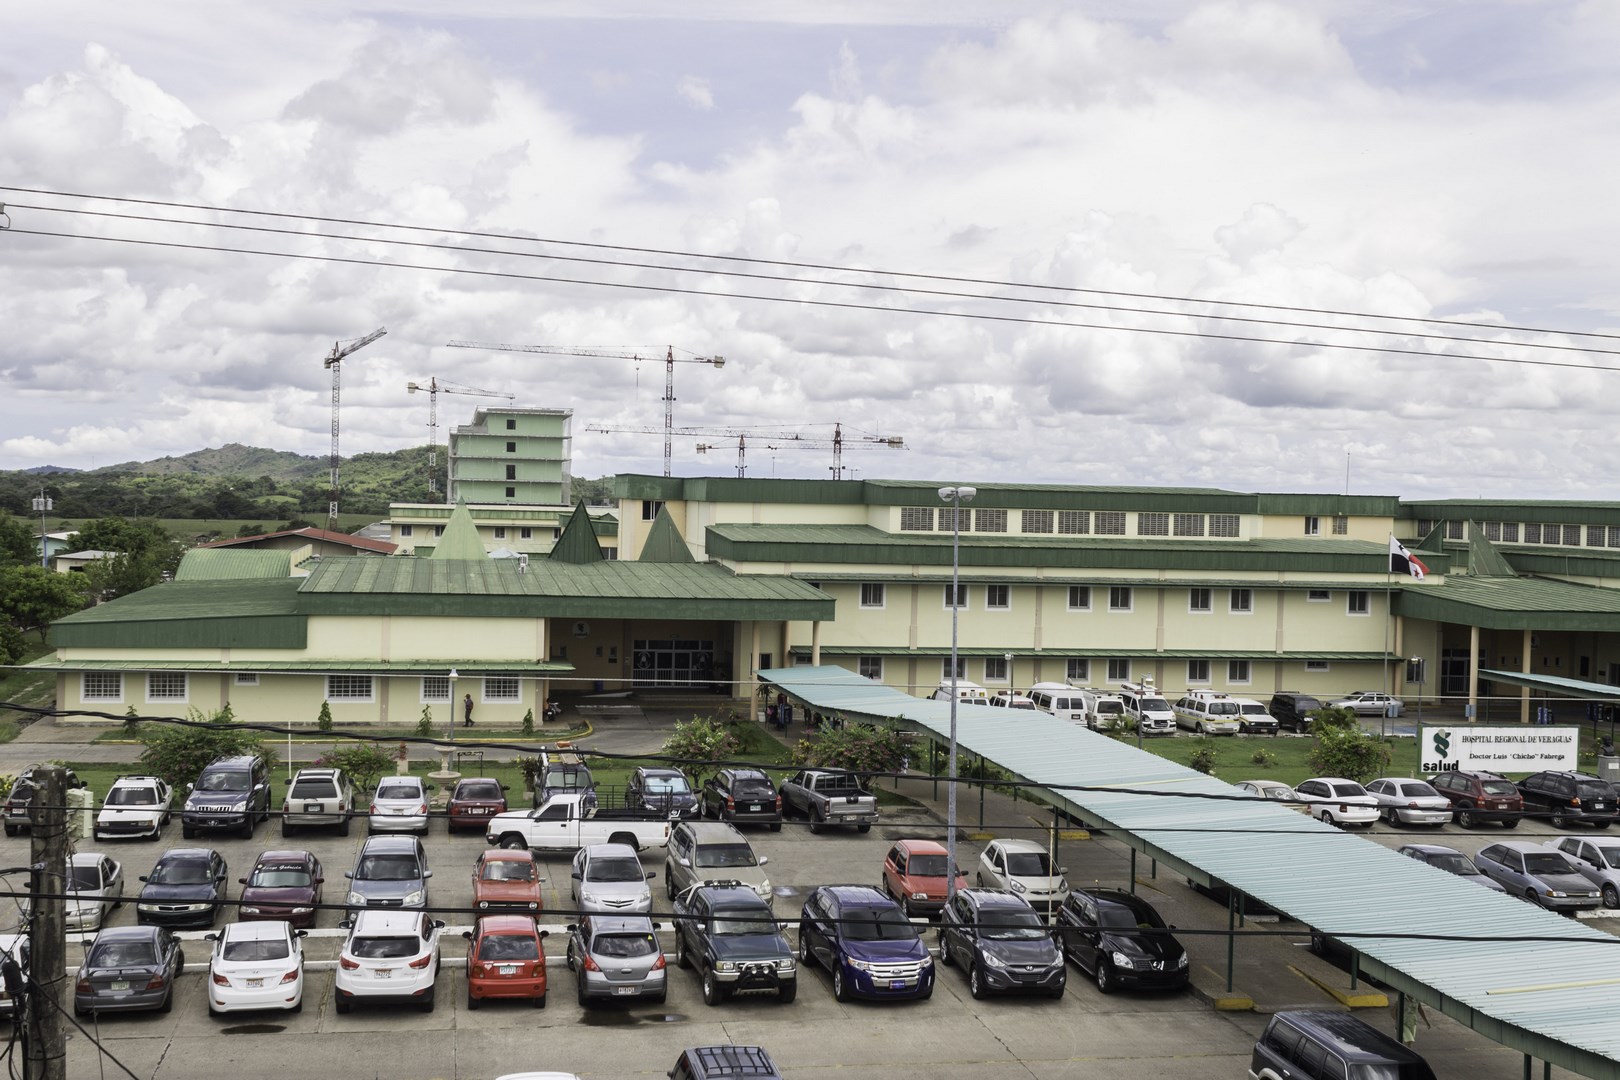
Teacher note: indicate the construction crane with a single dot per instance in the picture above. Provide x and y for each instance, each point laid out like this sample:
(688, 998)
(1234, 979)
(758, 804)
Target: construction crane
(670, 360)
(774, 440)
(334, 360)
(434, 388)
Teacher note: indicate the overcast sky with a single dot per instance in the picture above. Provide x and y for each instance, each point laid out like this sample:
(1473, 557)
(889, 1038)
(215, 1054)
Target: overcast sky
(1436, 159)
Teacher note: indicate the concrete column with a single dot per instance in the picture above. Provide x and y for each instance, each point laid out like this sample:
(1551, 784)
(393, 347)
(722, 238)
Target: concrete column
(1400, 636)
(1524, 666)
(1473, 671)
(787, 630)
(753, 668)
(815, 643)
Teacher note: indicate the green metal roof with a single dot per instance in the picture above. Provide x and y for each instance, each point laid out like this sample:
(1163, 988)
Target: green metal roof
(577, 544)
(1513, 604)
(460, 541)
(501, 588)
(664, 543)
(1560, 511)
(1533, 996)
(226, 564)
(314, 667)
(935, 652)
(253, 614)
(901, 577)
(1553, 684)
(1483, 558)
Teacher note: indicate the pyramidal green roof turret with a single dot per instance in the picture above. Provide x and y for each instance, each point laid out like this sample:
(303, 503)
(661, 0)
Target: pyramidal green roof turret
(1484, 560)
(577, 544)
(664, 543)
(460, 539)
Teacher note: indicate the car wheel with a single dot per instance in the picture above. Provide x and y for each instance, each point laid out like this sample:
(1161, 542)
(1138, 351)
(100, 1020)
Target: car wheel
(1055, 995)
(343, 826)
(657, 999)
(213, 1013)
(976, 985)
(787, 992)
(864, 827)
(286, 829)
(1558, 819)
(776, 826)
(579, 989)
(1200, 728)
(341, 1004)
(807, 956)
(472, 1002)
(186, 831)
(1611, 897)
(1530, 895)
(945, 951)
(570, 959)
(681, 959)
(168, 1000)
(978, 878)
(426, 1002)
(815, 821)
(250, 820)
(1105, 977)
(540, 1002)
(840, 987)
(1465, 818)
(514, 842)
(1318, 944)
(713, 994)
(1387, 816)
(1510, 823)
(669, 886)
(298, 1006)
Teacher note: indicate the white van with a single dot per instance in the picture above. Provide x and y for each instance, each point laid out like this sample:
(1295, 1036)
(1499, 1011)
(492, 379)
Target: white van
(968, 693)
(1059, 699)
(1102, 707)
(1145, 705)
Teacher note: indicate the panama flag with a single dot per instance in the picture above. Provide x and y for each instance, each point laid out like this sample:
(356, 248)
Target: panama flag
(1402, 561)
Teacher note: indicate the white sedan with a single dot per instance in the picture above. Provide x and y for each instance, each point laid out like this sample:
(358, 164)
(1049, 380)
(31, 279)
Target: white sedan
(1275, 790)
(1338, 801)
(1405, 801)
(256, 965)
(1369, 703)
(389, 956)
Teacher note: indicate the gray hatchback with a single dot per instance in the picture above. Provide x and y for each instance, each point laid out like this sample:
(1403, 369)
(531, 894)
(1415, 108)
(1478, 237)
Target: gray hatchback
(617, 956)
(129, 968)
(389, 872)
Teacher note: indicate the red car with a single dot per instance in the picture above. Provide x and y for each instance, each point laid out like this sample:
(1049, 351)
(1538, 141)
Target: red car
(283, 885)
(474, 801)
(505, 959)
(506, 880)
(914, 875)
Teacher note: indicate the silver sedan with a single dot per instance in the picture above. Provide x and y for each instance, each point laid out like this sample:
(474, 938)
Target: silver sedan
(1598, 860)
(1405, 801)
(617, 956)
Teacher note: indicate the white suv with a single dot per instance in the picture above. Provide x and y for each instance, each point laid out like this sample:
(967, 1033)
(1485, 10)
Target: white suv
(136, 806)
(389, 956)
(317, 797)
(1024, 867)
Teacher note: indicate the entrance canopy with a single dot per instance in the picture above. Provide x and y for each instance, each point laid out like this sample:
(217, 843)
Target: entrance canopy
(1554, 684)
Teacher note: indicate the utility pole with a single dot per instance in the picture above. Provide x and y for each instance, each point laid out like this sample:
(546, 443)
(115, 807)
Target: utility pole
(47, 964)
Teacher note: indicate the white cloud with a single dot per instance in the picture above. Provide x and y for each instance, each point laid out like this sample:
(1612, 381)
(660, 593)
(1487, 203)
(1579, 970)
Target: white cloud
(696, 92)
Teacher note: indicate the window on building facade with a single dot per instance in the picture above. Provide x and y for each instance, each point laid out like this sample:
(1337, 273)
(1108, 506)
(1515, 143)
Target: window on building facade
(945, 668)
(1224, 524)
(438, 530)
(348, 688)
(1037, 521)
(500, 532)
(511, 424)
(1242, 601)
(511, 493)
(404, 530)
(1454, 530)
(1510, 532)
(961, 515)
(1110, 523)
(1341, 525)
(503, 688)
(1316, 666)
(1572, 535)
(916, 519)
(1152, 524)
(1532, 533)
(610, 553)
(511, 472)
(1493, 530)
(1614, 536)
(1317, 596)
(960, 598)
(435, 688)
(650, 508)
(998, 597)
(1414, 670)
(1198, 600)
(871, 594)
(1424, 527)
(990, 520)
(995, 669)
(1189, 525)
(1198, 671)
(247, 678)
(1074, 522)
(1077, 669)
(526, 533)
(1313, 525)
(165, 686)
(1358, 602)
(101, 686)
(1596, 536)
(1119, 671)
(870, 667)
(1119, 598)
(1237, 672)
(1079, 597)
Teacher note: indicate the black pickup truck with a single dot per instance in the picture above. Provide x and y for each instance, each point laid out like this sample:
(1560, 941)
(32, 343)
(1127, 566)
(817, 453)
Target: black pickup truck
(733, 939)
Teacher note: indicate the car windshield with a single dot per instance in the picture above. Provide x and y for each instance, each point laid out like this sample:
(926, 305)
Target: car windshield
(483, 789)
(666, 785)
(397, 789)
(713, 856)
(1277, 791)
(508, 870)
(1029, 864)
(753, 789)
(253, 951)
(224, 780)
(1003, 925)
(384, 948)
(132, 796)
(1405, 1070)
(1611, 855)
(566, 779)
(624, 945)
(84, 878)
(1155, 704)
(279, 877)
(1417, 789)
(1306, 704)
(387, 868)
(744, 922)
(180, 873)
(1455, 862)
(1118, 915)
(620, 868)
(926, 866)
(508, 947)
(1348, 788)
(313, 789)
(1256, 709)
(1550, 863)
(877, 924)
(1498, 787)
(113, 954)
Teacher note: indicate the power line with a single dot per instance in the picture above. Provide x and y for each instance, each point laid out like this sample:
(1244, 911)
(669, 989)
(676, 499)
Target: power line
(832, 304)
(791, 264)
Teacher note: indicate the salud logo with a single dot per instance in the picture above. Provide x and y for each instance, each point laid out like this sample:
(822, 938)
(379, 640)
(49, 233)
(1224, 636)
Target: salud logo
(1439, 758)
(1442, 743)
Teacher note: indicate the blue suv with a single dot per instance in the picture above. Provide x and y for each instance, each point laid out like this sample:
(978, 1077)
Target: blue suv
(866, 941)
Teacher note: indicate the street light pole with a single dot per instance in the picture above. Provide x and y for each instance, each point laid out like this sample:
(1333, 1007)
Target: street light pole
(42, 504)
(956, 496)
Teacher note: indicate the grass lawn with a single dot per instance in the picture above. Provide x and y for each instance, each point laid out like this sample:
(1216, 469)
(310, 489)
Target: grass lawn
(25, 688)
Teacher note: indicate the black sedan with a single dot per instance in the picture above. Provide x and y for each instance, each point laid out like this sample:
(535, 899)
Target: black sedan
(129, 968)
(1119, 940)
(185, 888)
(1002, 941)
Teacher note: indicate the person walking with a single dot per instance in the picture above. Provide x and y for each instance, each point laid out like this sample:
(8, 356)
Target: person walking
(466, 711)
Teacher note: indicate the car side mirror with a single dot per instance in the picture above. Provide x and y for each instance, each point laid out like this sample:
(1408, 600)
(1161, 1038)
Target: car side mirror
(191, 787)
(438, 924)
(241, 881)
(505, 788)
(651, 874)
(763, 859)
(429, 787)
(219, 877)
(1063, 870)
(210, 937)
(346, 873)
(679, 859)
(143, 877)
(320, 881)
(467, 934)
(427, 874)
(545, 933)
(345, 924)
(781, 926)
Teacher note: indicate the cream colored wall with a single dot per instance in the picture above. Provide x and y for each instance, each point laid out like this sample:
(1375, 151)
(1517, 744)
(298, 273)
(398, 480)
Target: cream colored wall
(1284, 526)
(385, 637)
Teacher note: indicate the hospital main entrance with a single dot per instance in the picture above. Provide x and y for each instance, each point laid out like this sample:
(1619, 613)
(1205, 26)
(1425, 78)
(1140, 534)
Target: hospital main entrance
(672, 662)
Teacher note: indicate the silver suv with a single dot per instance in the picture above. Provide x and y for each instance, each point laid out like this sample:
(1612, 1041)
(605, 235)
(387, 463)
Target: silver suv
(609, 878)
(317, 797)
(702, 851)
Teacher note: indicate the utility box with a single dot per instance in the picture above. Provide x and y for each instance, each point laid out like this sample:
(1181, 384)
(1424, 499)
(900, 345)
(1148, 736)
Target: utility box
(1608, 768)
(81, 812)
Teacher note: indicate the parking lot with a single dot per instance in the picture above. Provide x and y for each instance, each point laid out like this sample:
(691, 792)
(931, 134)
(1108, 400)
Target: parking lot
(951, 1035)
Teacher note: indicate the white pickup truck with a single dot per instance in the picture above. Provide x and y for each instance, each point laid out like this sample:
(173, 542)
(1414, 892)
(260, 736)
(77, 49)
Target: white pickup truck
(562, 823)
(829, 798)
